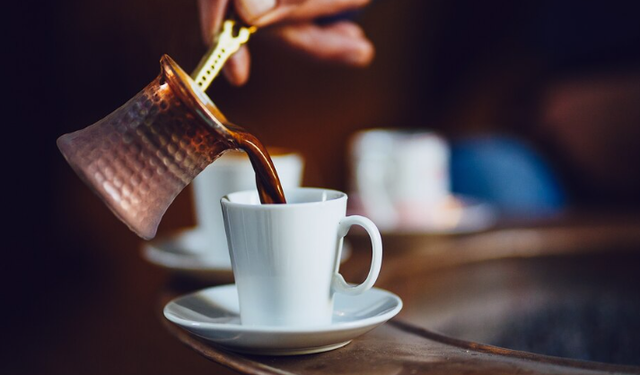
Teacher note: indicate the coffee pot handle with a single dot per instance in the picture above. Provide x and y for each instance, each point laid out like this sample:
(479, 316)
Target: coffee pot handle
(227, 42)
(338, 284)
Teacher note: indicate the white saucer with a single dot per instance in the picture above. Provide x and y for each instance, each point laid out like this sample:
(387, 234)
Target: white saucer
(213, 315)
(457, 215)
(187, 252)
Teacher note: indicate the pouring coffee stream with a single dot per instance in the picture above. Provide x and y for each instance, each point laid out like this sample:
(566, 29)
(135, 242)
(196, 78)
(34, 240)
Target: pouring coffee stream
(138, 158)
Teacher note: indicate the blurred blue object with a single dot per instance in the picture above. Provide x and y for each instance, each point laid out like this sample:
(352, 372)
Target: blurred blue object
(507, 173)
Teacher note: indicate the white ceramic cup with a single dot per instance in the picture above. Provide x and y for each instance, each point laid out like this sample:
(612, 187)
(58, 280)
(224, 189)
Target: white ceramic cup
(286, 257)
(233, 172)
(398, 175)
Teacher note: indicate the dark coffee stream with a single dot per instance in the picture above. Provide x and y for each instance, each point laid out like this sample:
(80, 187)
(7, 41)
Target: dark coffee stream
(267, 180)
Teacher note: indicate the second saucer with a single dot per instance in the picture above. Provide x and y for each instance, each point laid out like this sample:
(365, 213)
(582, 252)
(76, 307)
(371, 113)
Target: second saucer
(187, 252)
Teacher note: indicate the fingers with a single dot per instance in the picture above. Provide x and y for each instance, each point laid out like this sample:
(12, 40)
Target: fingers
(341, 42)
(212, 13)
(265, 12)
(236, 69)
(321, 8)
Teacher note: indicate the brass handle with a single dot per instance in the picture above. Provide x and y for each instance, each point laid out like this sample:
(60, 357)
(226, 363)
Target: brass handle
(226, 45)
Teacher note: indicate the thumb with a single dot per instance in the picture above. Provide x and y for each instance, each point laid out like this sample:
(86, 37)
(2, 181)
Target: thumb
(237, 68)
(211, 15)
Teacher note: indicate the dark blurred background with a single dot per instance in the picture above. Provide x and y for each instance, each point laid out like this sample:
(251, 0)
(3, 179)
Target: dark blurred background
(561, 77)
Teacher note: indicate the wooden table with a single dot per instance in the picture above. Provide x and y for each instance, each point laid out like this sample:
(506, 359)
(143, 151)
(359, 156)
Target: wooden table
(471, 289)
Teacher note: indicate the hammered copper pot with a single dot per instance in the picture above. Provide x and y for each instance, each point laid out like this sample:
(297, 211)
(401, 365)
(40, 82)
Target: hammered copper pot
(138, 158)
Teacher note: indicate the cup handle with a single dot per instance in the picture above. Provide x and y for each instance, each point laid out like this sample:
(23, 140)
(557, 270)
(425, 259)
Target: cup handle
(338, 283)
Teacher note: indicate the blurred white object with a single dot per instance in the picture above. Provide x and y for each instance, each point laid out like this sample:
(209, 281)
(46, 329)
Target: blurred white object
(400, 178)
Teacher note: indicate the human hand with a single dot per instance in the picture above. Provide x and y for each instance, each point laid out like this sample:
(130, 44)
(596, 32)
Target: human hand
(292, 21)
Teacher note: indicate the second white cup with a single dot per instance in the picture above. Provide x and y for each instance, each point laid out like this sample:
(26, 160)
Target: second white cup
(400, 176)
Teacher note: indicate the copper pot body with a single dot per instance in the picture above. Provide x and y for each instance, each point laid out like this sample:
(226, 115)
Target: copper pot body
(139, 157)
